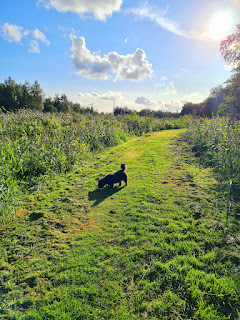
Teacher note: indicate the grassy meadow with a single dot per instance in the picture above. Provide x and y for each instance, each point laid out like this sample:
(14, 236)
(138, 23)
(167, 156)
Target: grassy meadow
(36, 145)
(164, 247)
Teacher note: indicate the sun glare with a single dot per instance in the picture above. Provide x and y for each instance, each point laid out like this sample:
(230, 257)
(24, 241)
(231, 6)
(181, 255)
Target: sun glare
(220, 25)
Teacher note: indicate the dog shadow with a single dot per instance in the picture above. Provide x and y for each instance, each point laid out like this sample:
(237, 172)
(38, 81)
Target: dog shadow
(101, 194)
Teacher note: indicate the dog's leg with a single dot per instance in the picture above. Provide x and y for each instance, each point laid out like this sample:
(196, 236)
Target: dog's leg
(120, 182)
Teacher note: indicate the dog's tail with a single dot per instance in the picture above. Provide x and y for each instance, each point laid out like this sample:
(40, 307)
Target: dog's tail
(123, 166)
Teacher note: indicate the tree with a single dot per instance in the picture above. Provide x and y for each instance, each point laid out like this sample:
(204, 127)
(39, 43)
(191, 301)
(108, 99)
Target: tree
(232, 90)
(230, 47)
(230, 51)
(25, 95)
(61, 103)
(224, 110)
(121, 111)
(196, 109)
(145, 112)
(211, 104)
(10, 95)
(36, 100)
(49, 105)
(15, 96)
(65, 105)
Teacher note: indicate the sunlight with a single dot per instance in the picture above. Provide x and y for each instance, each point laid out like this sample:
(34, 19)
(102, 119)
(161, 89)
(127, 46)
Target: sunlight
(220, 25)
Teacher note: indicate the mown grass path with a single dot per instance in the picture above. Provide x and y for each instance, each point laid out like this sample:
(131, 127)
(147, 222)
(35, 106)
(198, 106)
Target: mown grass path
(159, 248)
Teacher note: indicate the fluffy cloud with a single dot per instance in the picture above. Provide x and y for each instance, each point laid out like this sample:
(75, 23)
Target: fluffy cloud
(145, 101)
(93, 66)
(100, 9)
(13, 33)
(171, 106)
(110, 95)
(39, 35)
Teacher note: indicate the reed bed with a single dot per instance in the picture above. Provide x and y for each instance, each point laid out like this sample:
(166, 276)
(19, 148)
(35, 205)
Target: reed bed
(217, 143)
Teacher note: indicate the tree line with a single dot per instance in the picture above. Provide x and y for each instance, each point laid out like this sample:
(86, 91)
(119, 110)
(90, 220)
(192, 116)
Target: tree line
(14, 96)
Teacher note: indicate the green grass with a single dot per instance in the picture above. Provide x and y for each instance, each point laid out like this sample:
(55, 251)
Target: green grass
(161, 248)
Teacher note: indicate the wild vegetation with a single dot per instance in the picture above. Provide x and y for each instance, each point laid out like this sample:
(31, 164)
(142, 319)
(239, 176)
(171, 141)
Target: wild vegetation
(33, 145)
(216, 142)
(160, 248)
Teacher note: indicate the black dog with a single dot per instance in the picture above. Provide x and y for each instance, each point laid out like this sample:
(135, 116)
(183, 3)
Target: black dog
(116, 177)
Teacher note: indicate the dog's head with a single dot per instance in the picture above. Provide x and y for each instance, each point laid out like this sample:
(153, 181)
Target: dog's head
(101, 184)
(123, 166)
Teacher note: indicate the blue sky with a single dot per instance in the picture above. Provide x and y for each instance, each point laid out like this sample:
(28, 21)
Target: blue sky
(141, 54)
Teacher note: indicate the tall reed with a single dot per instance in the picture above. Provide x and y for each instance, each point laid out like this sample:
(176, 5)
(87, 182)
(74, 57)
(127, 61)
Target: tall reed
(217, 143)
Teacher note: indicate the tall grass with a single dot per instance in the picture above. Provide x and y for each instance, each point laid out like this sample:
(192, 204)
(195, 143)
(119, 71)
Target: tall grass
(35, 144)
(217, 143)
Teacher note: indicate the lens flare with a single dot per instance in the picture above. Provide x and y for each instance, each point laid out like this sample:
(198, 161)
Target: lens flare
(220, 25)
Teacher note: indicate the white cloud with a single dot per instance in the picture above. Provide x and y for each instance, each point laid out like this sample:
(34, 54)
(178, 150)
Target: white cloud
(145, 101)
(125, 40)
(99, 9)
(159, 18)
(184, 70)
(104, 102)
(170, 89)
(110, 95)
(34, 47)
(93, 66)
(193, 97)
(14, 33)
(39, 35)
(171, 106)
(163, 78)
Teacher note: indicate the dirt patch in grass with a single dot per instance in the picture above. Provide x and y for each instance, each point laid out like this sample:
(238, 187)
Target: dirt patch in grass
(130, 155)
